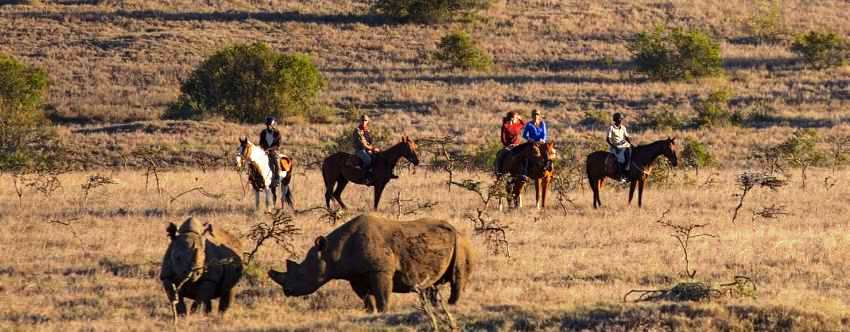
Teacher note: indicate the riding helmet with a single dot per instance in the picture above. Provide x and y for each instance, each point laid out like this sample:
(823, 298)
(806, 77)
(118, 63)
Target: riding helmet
(618, 116)
(270, 120)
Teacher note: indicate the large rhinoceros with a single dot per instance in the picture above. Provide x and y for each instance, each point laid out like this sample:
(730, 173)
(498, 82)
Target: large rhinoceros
(202, 263)
(379, 256)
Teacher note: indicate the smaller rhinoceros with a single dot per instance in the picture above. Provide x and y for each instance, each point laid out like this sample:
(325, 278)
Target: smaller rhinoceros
(202, 263)
(378, 256)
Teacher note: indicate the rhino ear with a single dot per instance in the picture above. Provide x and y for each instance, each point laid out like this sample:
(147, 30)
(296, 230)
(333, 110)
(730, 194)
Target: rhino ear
(171, 230)
(320, 243)
(208, 229)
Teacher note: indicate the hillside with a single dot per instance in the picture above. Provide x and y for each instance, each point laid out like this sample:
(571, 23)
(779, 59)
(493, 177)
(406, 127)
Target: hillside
(122, 61)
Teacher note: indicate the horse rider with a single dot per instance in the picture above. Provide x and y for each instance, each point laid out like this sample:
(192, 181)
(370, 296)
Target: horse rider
(270, 142)
(363, 147)
(511, 126)
(534, 131)
(620, 144)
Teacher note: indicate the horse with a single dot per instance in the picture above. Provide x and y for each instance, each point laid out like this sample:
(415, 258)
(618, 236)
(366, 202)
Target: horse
(339, 168)
(539, 155)
(602, 164)
(260, 174)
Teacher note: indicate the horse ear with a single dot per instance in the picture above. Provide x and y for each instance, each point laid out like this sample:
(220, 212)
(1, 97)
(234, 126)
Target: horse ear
(171, 230)
(243, 139)
(320, 243)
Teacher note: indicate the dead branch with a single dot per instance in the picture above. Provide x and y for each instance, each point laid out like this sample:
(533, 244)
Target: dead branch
(281, 230)
(93, 182)
(684, 234)
(494, 232)
(749, 180)
(200, 190)
(69, 224)
(696, 291)
(770, 212)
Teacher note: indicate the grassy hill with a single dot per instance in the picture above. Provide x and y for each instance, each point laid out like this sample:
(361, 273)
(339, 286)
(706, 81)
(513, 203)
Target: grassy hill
(122, 61)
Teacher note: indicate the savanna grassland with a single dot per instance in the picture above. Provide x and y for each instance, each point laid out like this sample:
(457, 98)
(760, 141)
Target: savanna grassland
(114, 66)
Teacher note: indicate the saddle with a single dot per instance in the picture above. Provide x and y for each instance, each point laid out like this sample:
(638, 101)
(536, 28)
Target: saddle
(285, 163)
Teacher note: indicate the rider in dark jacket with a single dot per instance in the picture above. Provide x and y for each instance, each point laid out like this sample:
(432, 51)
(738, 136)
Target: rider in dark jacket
(270, 142)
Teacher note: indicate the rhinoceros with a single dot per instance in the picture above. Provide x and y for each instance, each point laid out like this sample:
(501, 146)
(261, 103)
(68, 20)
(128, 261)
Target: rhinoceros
(202, 263)
(378, 256)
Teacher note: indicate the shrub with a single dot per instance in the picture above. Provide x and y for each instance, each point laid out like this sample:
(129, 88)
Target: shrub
(713, 110)
(429, 11)
(675, 54)
(484, 157)
(822, 50)
(695, 154)
(22, 135)
(595, 119)
(800, 150)
(767, 24)
(246, 83)
(661, 119)
(381, 138)
(460, 51)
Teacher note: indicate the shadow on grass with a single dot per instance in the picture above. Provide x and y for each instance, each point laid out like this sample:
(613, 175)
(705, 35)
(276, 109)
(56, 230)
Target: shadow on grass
(228, 16)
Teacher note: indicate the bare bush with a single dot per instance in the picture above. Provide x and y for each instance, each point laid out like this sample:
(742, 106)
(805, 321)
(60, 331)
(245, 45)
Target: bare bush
(493, 231)
(696, 291)
(684, 234)
(749, 180)
(281, 230)
(93, 182)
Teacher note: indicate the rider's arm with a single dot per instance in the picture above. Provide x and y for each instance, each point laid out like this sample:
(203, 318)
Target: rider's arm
(526, 132)
(276, 140)
(626, 136)
(504, 136)
(545, 132)
(263, 139)
(363, 141)
(610, 134)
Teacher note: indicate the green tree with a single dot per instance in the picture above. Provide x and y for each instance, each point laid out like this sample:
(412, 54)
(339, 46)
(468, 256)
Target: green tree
(460, 51)
(22, 121)
(822, 49)
(800, 150)
(669, 54)
(247, 82)
(429, 11)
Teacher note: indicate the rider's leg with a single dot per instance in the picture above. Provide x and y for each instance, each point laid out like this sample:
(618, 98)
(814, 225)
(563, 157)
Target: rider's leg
(274, 165)
(628, 158)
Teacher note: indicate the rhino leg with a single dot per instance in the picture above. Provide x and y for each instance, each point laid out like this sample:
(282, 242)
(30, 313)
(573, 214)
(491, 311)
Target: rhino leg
(225, 300)
(381, 285)
(361, 287)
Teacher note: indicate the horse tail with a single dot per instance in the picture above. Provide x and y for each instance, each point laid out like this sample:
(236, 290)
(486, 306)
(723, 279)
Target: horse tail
(287, 187)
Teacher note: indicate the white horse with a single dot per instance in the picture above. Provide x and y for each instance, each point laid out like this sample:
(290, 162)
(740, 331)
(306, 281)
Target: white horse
(260, 174)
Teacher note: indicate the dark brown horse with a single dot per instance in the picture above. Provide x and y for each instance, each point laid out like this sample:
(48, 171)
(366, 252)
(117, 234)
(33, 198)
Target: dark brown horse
(602, 164)
(338, 169)
(538, 155)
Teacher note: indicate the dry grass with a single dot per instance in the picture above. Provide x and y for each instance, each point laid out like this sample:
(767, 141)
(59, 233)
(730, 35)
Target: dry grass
(564, 272)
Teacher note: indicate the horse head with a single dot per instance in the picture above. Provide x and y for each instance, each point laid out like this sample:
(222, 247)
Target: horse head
(409, 150)
(548, 151)
(670, 151)
(242, 152)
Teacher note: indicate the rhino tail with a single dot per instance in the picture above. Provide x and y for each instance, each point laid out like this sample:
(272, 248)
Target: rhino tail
(458, 271)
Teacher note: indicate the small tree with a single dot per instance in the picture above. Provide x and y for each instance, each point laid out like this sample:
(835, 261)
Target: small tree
(247, 82)
(669, 54)
(460, 51)
(800, 150)
(767, 23)
(429, 11)
(695, 154)
(822, 49)
(22, 140)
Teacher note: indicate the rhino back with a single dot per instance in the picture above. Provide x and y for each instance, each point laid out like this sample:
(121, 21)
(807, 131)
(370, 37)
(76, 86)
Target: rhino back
(224, 259)
(418, 251)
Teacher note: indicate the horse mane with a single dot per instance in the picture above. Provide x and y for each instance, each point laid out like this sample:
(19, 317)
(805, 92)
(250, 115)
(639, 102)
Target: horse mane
(648, 145)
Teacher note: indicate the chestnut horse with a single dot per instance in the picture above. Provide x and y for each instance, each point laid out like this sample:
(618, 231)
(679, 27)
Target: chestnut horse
(602, 164)
(538, 155)
(338, 169)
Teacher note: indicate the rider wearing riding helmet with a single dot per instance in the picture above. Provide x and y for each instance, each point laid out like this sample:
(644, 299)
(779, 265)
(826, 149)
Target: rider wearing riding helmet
(270, 142)
(620, 144)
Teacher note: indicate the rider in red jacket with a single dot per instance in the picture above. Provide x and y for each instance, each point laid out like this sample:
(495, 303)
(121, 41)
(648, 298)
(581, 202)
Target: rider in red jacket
(511, 129)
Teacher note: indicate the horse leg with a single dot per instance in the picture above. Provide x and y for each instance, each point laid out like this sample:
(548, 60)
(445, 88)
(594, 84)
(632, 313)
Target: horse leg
(640, 193)
(256, 200)
(545, 187)
(379, 189)
(273, 190)
(631, 191)
(268, 194)
(340, 186)
(537, 193)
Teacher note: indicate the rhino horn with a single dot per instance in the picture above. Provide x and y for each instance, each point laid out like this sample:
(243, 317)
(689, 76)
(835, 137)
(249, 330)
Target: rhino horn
(277, 277)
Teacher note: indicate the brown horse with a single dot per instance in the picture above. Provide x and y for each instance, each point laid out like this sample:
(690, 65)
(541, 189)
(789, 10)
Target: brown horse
(539, 155)
(338, 169)
(602, 164)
